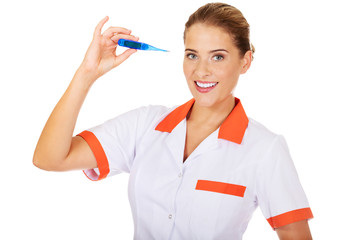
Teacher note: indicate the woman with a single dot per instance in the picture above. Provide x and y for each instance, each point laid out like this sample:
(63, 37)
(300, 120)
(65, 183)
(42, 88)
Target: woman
(197, 171)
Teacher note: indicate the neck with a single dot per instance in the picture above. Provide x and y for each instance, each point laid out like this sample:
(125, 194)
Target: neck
(213, 115)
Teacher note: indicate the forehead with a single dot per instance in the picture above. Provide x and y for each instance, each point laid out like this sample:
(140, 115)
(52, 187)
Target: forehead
(201, 35)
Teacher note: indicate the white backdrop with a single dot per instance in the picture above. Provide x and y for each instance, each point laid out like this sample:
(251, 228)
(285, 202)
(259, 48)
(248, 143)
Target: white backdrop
(302, 84)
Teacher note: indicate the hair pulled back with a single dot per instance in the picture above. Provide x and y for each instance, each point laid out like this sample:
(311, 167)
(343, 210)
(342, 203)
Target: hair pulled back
(226, 17)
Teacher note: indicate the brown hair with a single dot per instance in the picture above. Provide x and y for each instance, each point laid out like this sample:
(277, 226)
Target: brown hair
(227, 17)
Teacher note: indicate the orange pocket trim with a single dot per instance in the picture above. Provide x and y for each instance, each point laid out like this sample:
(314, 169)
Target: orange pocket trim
(221, 187)
(290, 217)
(96, 148)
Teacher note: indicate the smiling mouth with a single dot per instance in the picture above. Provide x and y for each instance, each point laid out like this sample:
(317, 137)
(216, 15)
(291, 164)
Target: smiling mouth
(206, 84)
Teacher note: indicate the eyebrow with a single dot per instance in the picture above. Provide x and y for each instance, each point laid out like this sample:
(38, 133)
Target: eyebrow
(212, 51)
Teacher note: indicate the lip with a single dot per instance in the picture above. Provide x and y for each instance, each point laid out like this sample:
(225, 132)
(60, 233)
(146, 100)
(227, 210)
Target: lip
(204, 90)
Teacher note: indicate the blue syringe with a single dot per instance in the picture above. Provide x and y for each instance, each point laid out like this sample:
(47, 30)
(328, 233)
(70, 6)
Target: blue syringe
(138, 45)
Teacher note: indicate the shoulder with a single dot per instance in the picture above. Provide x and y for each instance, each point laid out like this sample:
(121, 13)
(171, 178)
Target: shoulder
(269, 145)
(145, 117)
(272, 147)
(143, 113)
(259, 135)
(153, 113)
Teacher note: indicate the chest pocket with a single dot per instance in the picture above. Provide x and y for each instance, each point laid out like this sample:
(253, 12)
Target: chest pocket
(221, 187)
(218, 209)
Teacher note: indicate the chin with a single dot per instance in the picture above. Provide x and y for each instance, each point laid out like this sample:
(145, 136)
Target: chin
(205, 101)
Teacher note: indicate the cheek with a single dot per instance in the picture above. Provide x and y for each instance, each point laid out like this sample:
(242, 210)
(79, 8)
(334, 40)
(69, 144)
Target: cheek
(187, 70)
(229, 75)
(223, 72)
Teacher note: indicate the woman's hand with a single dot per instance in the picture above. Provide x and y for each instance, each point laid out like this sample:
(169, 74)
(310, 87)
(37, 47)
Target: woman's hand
(101, 55)
(57, 149)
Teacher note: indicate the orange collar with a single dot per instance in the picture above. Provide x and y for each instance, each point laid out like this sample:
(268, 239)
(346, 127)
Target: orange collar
(232, 129)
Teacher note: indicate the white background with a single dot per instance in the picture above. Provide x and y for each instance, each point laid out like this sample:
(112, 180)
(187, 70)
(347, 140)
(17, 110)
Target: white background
(303, 84)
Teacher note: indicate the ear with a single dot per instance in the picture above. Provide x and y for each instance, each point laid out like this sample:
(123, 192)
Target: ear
(246, 62)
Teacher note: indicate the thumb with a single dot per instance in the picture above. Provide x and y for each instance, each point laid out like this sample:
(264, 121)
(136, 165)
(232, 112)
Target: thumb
(125, 55)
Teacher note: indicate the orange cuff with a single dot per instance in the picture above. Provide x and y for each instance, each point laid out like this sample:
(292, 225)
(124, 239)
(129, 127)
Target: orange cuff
(290, 217)
(101, 159)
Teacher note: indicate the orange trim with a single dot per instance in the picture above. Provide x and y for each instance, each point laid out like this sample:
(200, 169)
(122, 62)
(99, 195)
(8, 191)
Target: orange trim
(101, 159)
(290, 217)
(232, 129)
(234, 126)
(221, 187)
(175, 117)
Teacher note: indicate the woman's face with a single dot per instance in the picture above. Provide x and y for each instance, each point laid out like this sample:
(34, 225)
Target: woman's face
(212, 64)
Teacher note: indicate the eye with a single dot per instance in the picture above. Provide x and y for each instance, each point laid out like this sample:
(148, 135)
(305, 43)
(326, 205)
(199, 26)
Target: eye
(218, 57)
(191, 56)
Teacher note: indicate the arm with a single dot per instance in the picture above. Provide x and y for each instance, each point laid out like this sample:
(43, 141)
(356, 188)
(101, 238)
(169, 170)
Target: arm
(295, 231)
(56, 149)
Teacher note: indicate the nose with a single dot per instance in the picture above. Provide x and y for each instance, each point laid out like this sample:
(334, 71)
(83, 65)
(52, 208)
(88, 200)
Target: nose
(202, 69)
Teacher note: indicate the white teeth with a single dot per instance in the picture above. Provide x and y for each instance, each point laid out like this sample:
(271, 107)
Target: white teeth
(205, 85)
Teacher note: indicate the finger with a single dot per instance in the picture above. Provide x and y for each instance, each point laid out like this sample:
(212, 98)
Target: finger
(100, 25)
(116, 38)
(125, 55)
(118, 30)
